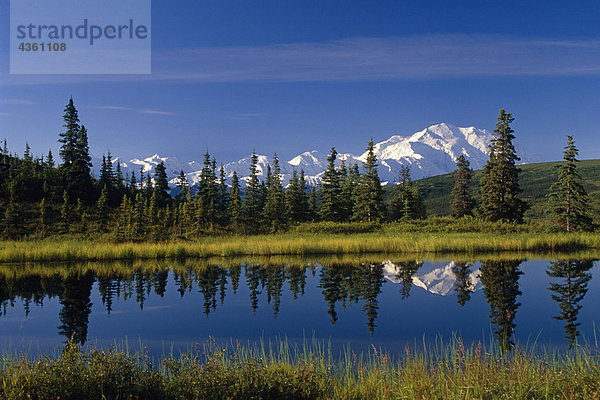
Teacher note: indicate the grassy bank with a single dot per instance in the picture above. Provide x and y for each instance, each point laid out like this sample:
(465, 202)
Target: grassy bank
(297, 244)
(447, 371)
(431, 237)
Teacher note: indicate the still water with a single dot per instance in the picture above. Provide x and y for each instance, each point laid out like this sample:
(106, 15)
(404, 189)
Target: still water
(345, 302)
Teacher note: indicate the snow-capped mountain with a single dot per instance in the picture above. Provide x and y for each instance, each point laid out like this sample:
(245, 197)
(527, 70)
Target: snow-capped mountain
(434, 279)
(432, 151)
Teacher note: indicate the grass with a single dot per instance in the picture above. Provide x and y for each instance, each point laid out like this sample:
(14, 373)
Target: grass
(297, 244)
(284, 371)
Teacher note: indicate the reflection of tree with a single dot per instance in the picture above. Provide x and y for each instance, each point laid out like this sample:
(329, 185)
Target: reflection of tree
(253, 278)
(76, 306)
(348, 283)
(297, 279)
(500, 281)
(183, 281)
(274, 277)
(405, 273)
(159, 281)
(106, 287)
(207, 284)
(234, 273)
(569, 293)
(462, 285)
(371, 287)
(331, 285)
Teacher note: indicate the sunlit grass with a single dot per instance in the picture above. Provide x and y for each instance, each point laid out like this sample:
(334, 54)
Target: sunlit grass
(297, 244)
(279, 370)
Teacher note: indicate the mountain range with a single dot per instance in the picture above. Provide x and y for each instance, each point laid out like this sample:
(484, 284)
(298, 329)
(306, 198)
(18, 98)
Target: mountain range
(432, 151)
(434, 279)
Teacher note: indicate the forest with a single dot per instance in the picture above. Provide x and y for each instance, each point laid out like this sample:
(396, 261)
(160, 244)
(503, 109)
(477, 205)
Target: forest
(44, 198)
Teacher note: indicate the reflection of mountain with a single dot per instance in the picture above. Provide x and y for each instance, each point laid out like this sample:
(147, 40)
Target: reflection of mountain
(436, 280)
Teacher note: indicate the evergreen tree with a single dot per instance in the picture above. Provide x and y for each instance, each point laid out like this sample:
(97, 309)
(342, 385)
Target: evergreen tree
(349, 189)
(106, 172)
(65, 213)
(182, 184)
(103, 209)
(407, 203)
(50, 160)
(500, 182)
(68, 139)
(223, 197)
(44, 217)
(235, 202)
(369, 199)
(27, 155)
(313, 208)
(330, 190)
(274, 210)
(570, 292)
(13, 222)
(569, 198)
(296, 202)
(252, 207)
(207, 192)
(161, 185)
(462, 202)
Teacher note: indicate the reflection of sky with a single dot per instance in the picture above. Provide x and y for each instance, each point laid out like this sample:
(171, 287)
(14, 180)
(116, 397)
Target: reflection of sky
(180, 322)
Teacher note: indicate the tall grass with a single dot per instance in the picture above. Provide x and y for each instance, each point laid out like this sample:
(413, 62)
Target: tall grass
(297, 244)
(284, 371)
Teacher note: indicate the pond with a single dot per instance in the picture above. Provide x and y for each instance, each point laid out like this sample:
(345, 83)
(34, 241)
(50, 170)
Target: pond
(387, 303)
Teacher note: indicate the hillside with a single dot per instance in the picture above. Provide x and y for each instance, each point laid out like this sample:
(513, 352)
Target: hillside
(535, 181)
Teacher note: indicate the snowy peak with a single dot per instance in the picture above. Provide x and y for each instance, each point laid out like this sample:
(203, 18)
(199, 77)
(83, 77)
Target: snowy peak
(434, 279)
(432, 151)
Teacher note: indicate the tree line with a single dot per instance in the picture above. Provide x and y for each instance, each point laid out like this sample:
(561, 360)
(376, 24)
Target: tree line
(40, 198)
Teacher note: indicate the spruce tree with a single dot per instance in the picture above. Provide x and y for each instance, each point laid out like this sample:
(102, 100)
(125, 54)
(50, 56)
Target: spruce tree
(182, 184)
(65, 213)
(44, 217)
(369, 198)
(252, 206)
(330, 190)
(50, 159)
(462, 202)
(161, 185)
(235, 202)
(106, 177)
(274, 210)
(407, 203)
(500, 183)
(223, 197)
(13, 222)
(313, 207)
(570, 204)
(103, 209)
(296, 202)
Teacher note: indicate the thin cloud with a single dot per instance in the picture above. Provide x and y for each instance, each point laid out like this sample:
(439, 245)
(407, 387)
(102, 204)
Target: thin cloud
(4, 114)
(365, 59)
(115, 108)
(248, 115)
(154, 112)
(138, 110)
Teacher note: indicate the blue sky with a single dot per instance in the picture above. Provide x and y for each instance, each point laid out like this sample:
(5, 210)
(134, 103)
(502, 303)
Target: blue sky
(290, 76)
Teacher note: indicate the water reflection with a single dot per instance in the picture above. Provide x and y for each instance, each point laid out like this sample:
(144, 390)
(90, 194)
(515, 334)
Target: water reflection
(500, 281)
(339, 285)
(569, 289)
